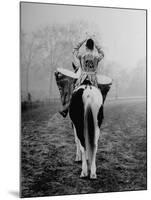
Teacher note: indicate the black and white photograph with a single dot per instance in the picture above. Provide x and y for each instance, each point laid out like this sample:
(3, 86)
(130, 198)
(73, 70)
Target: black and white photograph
(83, 88)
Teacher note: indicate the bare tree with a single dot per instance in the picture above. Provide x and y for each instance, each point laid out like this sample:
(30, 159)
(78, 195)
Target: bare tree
(47, 49)
(113, 69)
(27, 53)
(56, 43)
(47, 39)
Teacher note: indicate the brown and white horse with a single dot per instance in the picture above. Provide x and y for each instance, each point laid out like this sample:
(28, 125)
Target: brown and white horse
(86, 113)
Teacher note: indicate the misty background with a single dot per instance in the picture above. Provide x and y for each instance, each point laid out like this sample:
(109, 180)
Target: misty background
(49, 33)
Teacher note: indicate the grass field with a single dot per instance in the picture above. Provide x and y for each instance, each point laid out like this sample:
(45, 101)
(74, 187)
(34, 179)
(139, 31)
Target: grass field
(48, 152)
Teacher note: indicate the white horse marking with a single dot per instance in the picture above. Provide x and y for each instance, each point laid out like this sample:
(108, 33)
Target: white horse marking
(84, 110)
(92, 98)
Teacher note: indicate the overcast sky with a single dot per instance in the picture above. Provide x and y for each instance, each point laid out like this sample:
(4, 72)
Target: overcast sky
(123, 31)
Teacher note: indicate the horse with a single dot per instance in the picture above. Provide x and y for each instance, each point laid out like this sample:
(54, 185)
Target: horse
(86, 114)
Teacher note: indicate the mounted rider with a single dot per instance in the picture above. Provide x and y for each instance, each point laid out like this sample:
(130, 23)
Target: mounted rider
(86, 67)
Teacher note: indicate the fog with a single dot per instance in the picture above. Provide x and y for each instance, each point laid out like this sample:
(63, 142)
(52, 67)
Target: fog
(49, 33)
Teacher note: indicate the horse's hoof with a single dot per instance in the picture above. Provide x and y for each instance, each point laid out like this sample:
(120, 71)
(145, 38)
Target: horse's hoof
(78, 159)
(83, 174)
(93, 176)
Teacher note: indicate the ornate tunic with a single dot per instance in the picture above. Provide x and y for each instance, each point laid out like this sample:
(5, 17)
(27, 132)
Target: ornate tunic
(88, 63)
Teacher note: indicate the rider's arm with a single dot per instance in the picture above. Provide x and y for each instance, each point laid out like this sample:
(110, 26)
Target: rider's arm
(77, 47)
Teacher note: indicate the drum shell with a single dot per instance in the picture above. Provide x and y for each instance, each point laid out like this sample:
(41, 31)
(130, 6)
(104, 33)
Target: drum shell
(65, 84)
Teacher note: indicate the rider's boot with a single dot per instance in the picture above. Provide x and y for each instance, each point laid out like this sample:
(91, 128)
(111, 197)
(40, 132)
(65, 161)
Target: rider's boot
(64, 112)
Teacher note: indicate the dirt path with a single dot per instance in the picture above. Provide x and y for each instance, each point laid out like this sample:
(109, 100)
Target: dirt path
(48, 152)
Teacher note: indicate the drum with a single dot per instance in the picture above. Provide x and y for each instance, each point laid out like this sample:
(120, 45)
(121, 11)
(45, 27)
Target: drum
(65, 80)
(104, 84)
(103, 80)
(66, 73)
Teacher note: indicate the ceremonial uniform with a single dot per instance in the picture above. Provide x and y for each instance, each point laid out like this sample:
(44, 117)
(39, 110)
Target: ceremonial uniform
(87, 63)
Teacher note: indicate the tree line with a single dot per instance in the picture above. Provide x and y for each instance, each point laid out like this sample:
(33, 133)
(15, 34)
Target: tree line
(46, 49)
